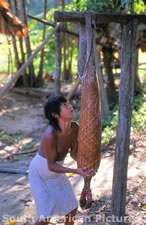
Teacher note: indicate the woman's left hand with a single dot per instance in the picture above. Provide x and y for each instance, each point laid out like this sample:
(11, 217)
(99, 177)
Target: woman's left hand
(91, 173)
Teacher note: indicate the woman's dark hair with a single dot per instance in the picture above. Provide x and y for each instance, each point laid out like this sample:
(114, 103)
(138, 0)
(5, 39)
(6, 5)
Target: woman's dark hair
(53, 105)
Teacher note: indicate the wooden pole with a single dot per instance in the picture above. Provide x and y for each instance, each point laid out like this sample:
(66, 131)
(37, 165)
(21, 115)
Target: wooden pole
(13, 171)
(41, 20)
(126, 94)
(73, 90)
(51, 24)
(57, 84)
(103, 95)
(20, 71)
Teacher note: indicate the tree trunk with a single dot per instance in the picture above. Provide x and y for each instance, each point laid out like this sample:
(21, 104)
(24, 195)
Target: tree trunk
(67, 58)
(40, 75)
(103, 94)
(64, 53)
(109, 77)
(25, 76)
(9, 57)
(17, 62)
(124, 122)
(23, 80)
(63, 5)
(27, 43)
(70, 59)
(58, 39)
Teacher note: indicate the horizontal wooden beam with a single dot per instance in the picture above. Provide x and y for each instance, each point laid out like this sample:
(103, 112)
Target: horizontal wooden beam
(67, 31)
(62, 16)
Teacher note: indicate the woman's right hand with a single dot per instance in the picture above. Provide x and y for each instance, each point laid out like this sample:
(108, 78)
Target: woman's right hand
(85, 173)
(81, 171)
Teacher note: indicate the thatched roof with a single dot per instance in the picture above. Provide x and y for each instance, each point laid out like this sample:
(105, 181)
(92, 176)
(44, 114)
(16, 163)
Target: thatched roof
(10, 24)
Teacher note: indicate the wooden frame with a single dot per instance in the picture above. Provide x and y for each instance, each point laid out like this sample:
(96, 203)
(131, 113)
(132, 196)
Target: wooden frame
(126, 95)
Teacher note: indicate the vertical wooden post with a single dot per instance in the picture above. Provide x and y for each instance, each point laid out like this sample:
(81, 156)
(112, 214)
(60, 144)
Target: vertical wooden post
(126, 94)
(58, 39)
(103, 94)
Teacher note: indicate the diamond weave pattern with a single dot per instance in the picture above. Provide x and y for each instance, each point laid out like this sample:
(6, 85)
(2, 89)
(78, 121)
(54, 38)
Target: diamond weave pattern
(89, 139)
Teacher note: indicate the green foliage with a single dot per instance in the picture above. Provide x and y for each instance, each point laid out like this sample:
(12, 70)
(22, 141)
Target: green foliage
(139, 114)
(109, 6)
(136, 6)
(50, 49)
(20, 157)
(7, 137)
(28, 146)
(109, 127)
(102, 6)
(138, 121)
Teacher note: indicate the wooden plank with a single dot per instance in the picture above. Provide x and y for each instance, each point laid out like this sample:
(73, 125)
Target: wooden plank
(62, 16)
(27, 63)
(13, 171)
(126, 95)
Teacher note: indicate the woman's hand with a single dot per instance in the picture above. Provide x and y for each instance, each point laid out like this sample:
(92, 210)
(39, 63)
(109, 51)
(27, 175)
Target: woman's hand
(85, 172)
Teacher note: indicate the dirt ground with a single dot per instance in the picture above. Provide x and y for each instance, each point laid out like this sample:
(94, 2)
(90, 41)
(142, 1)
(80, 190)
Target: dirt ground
(21, 126)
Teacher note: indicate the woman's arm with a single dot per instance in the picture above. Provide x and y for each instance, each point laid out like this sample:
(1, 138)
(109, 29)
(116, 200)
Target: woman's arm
(74, 148)
(49, 145)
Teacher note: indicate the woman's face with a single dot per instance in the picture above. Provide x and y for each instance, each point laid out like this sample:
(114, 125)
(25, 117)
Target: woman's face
(67, 111)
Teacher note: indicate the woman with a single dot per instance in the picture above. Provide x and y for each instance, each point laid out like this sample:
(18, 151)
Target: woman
(50, 187)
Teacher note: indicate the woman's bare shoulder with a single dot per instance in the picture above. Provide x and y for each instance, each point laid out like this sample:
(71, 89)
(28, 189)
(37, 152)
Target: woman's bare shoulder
(49, 133)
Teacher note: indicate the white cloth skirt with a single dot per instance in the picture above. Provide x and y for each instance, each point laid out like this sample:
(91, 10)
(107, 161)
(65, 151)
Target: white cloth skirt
(52, 192)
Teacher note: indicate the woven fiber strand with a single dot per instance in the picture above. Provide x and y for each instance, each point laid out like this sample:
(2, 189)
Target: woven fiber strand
(90, 126)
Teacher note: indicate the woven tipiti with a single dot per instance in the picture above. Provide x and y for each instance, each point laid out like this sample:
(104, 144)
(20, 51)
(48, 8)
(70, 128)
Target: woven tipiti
(89, 139)
(90, 128)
